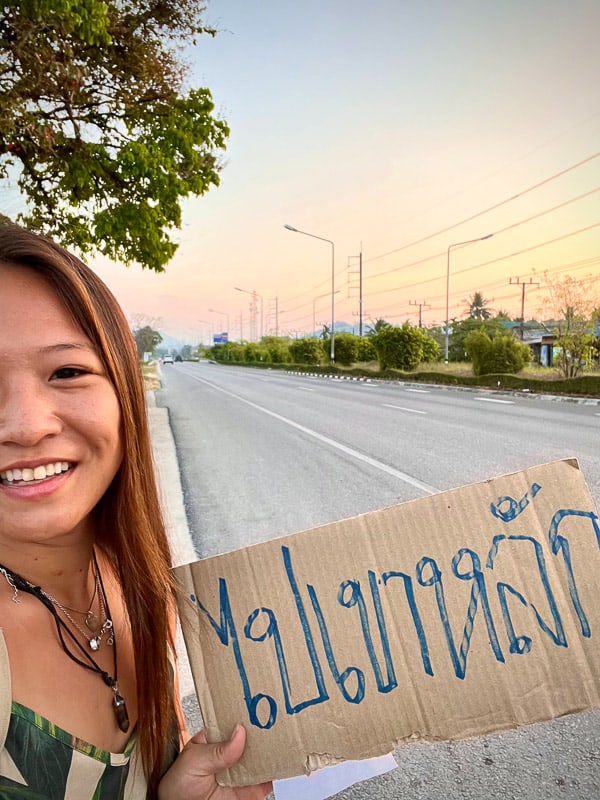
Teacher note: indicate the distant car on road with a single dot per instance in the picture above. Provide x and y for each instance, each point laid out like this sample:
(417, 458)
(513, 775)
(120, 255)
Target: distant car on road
(168, 360)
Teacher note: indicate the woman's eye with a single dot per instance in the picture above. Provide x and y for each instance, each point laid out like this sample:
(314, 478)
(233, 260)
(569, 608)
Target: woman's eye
(69, 372)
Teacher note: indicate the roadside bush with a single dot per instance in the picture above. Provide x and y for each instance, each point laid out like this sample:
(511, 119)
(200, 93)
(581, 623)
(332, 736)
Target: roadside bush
(306, 351)
(500, 355)
(254, 352)
(278, 349)
(345, 349)
(404, 348)
(229, 351)
(462, 329)
(365, 351)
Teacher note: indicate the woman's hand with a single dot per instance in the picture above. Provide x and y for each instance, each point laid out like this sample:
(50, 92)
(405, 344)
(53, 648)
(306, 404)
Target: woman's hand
(192, 776)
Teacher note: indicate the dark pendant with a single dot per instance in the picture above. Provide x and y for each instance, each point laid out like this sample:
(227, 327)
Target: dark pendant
(91, 621)
(120, 709)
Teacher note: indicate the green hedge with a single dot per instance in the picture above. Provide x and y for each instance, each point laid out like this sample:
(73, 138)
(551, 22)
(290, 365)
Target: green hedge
(585, 385)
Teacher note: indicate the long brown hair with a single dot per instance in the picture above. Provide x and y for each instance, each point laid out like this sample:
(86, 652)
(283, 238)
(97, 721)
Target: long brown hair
(131, 530)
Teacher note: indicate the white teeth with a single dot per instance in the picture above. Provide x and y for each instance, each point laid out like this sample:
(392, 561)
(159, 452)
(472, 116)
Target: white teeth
(37, 474)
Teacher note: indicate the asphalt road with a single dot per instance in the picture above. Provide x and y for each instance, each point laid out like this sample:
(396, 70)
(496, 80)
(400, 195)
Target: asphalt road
(263, 453)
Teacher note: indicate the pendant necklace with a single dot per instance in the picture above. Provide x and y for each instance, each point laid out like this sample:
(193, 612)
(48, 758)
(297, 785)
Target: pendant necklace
(91, 620)
(17, 584)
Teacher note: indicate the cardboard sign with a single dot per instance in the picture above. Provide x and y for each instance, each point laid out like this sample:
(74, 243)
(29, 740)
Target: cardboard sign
(467, 612)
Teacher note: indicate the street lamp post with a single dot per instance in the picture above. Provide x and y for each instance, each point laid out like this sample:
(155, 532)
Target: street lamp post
(224, 314)
(333, 292)
(254, 295)
(450, 246)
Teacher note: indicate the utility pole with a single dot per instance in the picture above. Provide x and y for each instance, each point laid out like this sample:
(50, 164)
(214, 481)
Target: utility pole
(360, 293)
(274, 303)
(360, 288)
(523, 285)
(421, 306)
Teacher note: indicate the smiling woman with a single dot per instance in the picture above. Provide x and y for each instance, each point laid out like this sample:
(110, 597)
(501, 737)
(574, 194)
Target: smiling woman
(85, 581)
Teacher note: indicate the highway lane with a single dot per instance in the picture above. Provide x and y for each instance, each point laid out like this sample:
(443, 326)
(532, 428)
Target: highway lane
(263, 453)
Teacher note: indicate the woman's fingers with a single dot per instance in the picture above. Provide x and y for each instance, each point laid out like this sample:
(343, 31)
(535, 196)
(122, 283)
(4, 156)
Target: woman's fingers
(222, 755)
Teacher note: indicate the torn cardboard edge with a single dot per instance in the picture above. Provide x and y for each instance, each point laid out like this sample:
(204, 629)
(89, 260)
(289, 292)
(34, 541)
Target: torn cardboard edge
(463, 613)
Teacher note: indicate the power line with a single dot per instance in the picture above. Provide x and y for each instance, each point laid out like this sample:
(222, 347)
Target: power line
(491, 261)
(512, 226)
(490, 208)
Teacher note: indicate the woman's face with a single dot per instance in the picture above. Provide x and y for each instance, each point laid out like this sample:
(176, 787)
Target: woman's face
(60, 444)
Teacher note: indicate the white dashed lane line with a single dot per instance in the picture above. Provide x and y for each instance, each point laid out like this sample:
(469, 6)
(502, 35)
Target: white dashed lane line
(495, 400)
(402, 408)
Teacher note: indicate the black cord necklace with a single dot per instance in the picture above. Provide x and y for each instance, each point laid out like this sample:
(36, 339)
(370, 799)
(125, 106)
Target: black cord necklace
(17, 583)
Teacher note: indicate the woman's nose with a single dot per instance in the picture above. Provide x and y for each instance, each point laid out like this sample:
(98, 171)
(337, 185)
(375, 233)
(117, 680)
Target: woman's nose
(28, 414)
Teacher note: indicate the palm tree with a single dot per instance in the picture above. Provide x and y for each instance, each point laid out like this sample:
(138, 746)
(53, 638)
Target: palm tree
(478, 307)
(378, 325)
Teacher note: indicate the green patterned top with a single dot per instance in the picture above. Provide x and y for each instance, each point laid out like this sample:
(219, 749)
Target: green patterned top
(40, 761)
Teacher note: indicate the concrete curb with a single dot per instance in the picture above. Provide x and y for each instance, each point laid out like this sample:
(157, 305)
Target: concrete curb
(171, 495)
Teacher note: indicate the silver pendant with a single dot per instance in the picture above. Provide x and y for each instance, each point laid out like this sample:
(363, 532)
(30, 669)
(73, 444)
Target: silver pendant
(95, 643)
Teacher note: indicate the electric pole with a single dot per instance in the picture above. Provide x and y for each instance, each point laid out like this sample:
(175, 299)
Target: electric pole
(523, 285)
(421, 306)
(360, 288)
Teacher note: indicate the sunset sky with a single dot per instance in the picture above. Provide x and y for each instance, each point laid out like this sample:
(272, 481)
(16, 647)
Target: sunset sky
(397, 129)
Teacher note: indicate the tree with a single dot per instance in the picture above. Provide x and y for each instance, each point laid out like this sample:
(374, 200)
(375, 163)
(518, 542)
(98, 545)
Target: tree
(365, 350)
(461, 329)
(254, 351)
(227, 351)
(277, 348)
(478, 307)
(378, 325)
(572, 303)
(146, 340)
(346, 348)
(404, 348)
(95, 121)
(306, 351)
(501, 355)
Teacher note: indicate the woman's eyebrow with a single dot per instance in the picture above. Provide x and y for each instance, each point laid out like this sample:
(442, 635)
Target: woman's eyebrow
(66, 346)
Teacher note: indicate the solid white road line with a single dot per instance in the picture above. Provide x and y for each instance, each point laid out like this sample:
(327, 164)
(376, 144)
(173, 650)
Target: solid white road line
(349, 451)
(419, 391)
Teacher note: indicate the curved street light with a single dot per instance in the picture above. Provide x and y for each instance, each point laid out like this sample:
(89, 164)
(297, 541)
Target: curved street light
(333, 292)
(450, 246)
